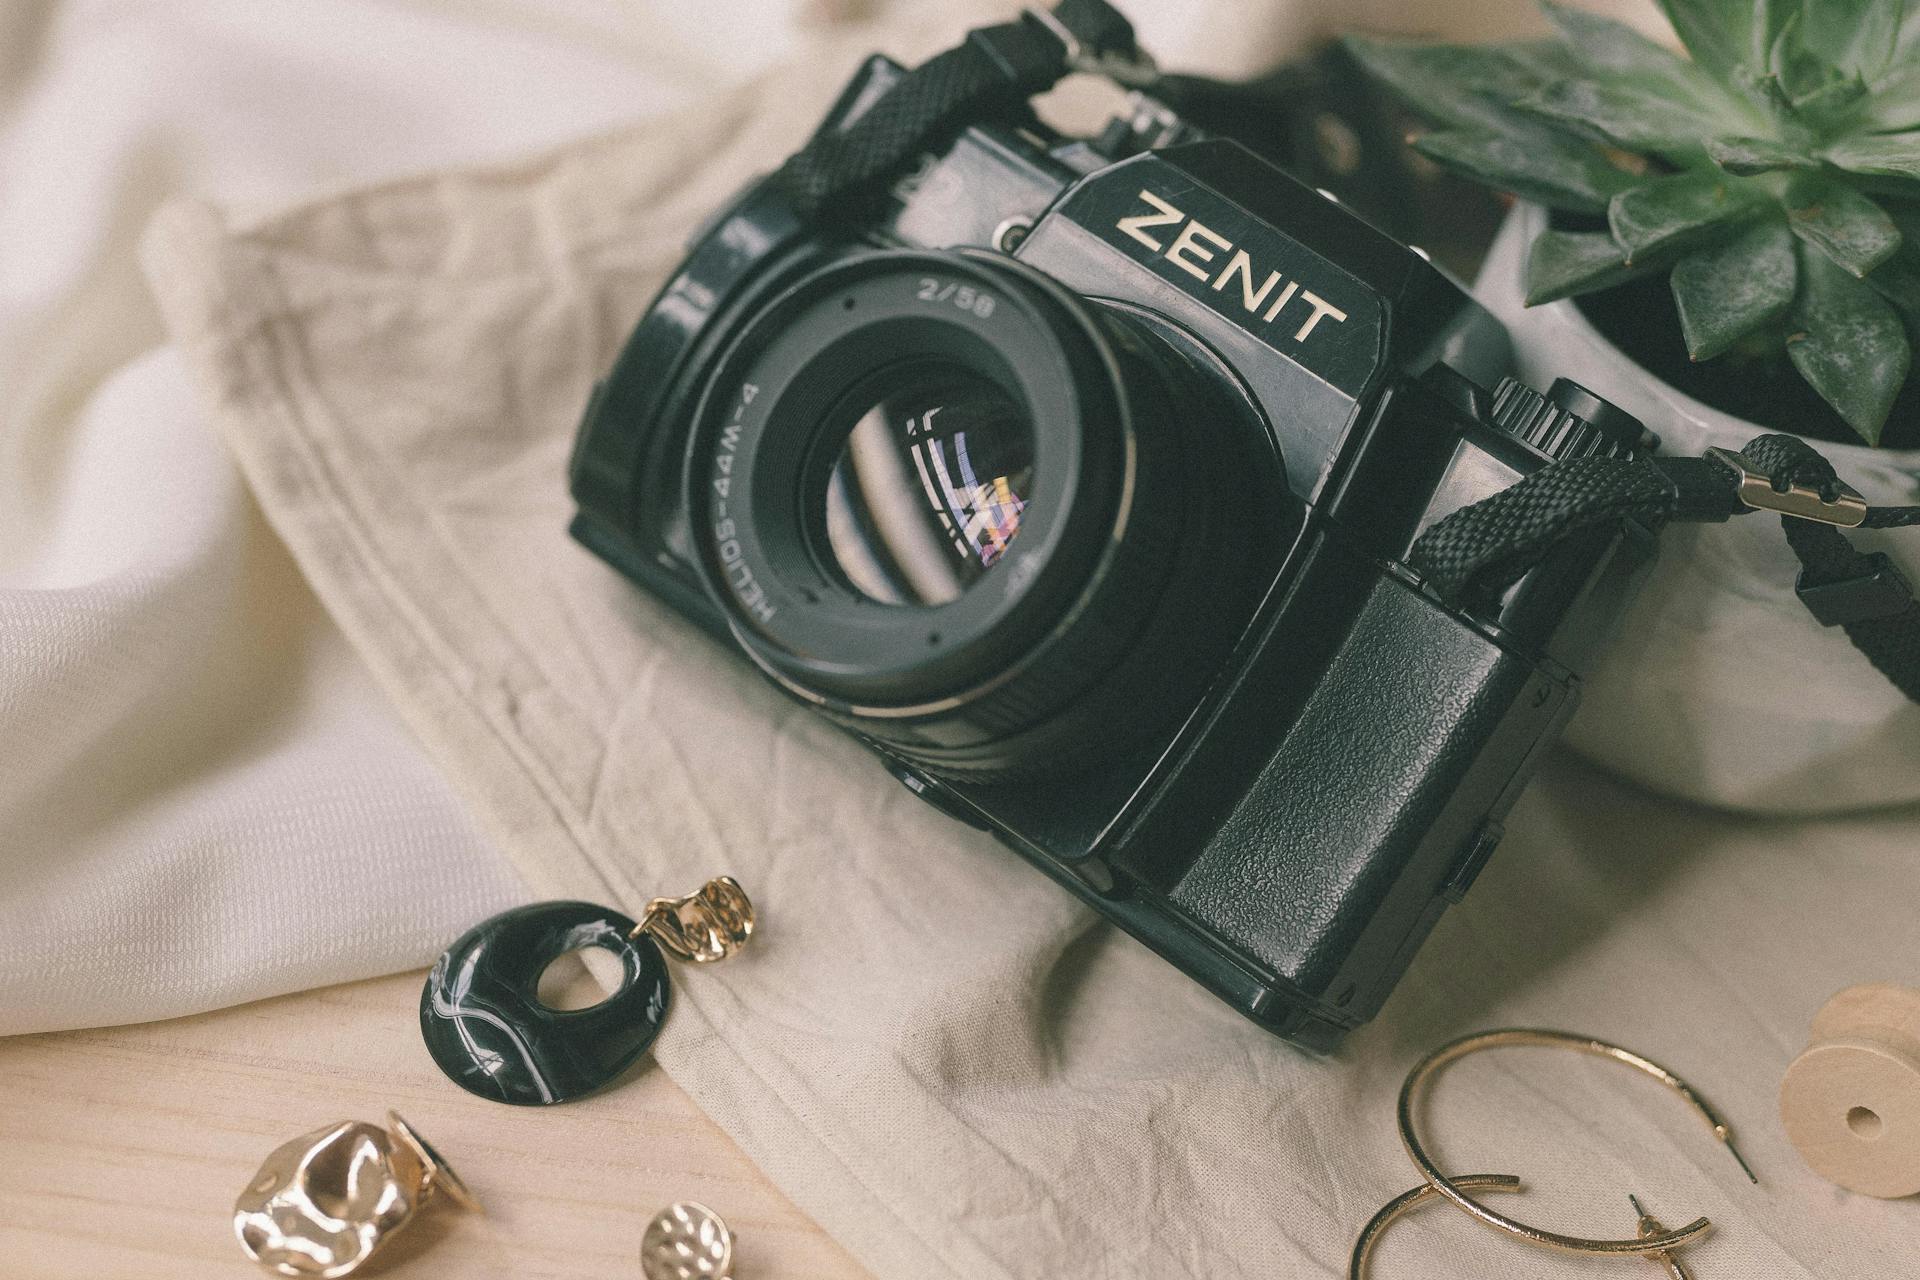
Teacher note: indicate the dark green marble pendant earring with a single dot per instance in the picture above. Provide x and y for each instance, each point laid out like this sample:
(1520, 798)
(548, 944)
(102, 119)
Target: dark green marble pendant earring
(487, 1028)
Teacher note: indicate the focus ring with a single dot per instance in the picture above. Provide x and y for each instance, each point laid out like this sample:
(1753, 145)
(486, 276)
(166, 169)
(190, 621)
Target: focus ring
(1154, 625)
(1109, 606)
(1104, 626)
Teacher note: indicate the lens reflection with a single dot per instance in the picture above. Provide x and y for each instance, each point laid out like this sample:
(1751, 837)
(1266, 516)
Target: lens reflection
(930, 486)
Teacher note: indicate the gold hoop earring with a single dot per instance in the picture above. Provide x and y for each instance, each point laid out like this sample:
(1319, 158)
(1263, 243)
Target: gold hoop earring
(1658, 1242)
(1407, 1202)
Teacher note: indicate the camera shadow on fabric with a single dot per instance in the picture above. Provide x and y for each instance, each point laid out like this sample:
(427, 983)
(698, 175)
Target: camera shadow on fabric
(1605, 899)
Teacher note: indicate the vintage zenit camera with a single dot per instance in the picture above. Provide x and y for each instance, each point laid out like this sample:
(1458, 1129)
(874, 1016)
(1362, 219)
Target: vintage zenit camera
(1076, 477)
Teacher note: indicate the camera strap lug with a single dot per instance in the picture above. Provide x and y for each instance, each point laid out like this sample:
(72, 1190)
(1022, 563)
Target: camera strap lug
(994, 71)
(1122, 62)
(1480, 551)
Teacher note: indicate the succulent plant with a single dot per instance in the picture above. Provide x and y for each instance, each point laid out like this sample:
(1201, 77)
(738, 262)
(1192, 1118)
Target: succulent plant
(1774, 175)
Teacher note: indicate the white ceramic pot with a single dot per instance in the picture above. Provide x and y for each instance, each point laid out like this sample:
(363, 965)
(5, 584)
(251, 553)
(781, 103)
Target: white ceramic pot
(1721, 687)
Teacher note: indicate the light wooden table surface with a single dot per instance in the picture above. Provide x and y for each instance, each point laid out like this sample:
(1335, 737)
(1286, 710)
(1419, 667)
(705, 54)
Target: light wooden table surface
(121, 1151)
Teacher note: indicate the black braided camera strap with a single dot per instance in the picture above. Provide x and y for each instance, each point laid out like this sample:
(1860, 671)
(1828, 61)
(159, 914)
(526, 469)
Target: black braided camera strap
(993, 72)
(1482, 549)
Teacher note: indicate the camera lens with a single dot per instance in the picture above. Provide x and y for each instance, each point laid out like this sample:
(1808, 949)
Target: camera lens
(986, 524)
(928, 485)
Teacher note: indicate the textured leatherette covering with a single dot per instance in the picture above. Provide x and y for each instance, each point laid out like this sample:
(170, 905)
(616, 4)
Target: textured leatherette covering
(1330, 868)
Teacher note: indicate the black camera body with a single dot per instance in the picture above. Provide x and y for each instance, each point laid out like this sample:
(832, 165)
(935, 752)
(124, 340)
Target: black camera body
(1076, 477)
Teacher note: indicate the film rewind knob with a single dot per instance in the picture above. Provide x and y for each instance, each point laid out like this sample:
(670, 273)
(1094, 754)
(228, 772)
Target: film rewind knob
(1569, 421)
(1851, 1102)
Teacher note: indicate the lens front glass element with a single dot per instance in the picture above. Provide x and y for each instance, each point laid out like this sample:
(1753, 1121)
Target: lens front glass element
(929, 484)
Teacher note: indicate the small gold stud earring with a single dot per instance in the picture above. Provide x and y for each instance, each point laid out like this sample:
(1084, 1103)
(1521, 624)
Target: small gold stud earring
(686, 1241)
(322, 1204)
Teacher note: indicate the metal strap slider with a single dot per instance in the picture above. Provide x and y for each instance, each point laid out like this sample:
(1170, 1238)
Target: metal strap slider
(1755, 489)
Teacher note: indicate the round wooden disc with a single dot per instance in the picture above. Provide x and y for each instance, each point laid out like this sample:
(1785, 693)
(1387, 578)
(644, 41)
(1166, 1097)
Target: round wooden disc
(1851, 1102)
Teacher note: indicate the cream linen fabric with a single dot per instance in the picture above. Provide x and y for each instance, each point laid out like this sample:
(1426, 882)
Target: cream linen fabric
(941, 1056)
(204, 798)
(194, 766)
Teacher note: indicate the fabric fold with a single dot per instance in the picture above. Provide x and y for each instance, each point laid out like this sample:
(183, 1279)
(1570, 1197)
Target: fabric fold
(938, 1053)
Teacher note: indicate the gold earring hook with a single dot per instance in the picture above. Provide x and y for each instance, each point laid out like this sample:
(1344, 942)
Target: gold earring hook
(1660, 1242)
(705, 926)
(1405, 1203)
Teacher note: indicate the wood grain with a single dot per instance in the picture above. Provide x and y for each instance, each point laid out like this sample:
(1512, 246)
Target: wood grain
(121, 1151)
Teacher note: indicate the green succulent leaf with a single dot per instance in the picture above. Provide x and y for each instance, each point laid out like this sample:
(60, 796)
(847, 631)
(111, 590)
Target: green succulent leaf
(1833, 105)
(1895, 155)
(1718, 33)
(1898, 281)
(1898, 278)
(1805, 89)
(1896, 91)
(1853, 35)
(1562, 174)
(1769, 18)
(1849, 344)
(1619, 113)
(1847, 227)
(1798, 70)
(1604, 50)
(1613, 48)
(1727, 291)
(1909, 29)
(1775, 173)
(1469, 89)
(1462, 86)
(1895, 103)
(1610, 45)
(1757, 155)
(1545, 60)
(1669, 213)
(1565, 263)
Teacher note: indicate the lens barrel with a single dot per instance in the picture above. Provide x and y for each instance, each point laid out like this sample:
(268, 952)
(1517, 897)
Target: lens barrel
(990, 526)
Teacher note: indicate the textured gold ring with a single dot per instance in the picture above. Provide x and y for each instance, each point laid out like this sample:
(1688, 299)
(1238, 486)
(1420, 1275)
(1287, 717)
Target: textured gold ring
(1450, 1188)
(1408, 1201)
